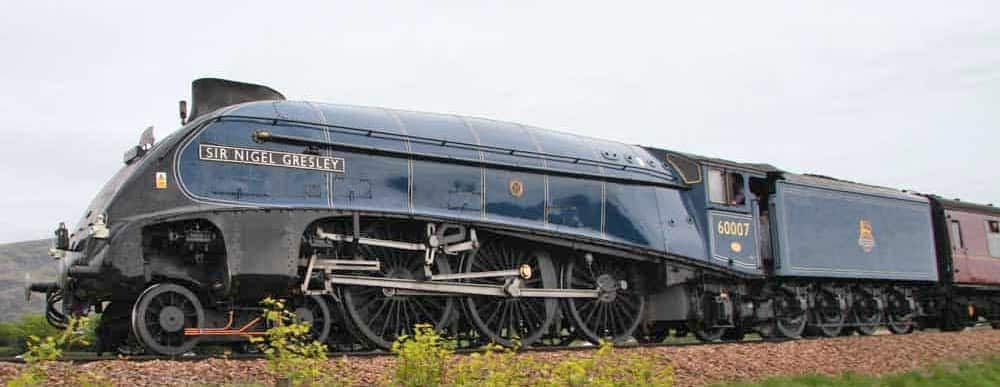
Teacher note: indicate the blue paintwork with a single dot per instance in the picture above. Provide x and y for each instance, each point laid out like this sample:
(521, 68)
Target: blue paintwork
(737, 248)
(816, 223)
(645, 210)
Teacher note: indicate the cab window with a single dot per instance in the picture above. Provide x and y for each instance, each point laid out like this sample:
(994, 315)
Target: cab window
(716, 186)
(726, 188)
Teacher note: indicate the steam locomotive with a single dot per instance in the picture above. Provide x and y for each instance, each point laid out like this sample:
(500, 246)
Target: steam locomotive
(372, 220)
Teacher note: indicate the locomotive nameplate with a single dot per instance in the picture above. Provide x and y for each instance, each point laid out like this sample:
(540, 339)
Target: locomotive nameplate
(230, 154)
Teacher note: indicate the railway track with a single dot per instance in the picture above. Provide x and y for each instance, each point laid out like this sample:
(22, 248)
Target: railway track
(79, 357)
(86, 358)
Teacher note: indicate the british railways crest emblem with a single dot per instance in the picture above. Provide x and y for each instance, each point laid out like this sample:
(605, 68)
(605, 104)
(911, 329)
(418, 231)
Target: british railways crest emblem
(866, 239)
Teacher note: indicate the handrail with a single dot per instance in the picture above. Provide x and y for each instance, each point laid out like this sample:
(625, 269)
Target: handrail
(663, 174)
(262, 136)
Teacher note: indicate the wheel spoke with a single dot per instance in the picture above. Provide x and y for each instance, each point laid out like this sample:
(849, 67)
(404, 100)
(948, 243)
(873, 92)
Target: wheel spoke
(164, 304)
(380, 315)
(502, 319)
(617, 312)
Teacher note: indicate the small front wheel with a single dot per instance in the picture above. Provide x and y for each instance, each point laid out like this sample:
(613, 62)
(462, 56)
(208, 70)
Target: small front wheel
(160, 316)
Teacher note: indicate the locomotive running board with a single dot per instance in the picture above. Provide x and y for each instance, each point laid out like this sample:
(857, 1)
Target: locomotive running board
(511, 289)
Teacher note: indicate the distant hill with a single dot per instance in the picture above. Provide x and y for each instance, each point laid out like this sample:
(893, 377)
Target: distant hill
(16, 259)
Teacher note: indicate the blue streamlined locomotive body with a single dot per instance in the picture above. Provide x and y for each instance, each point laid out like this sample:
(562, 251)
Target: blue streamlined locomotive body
(372, 220)
(450, 167)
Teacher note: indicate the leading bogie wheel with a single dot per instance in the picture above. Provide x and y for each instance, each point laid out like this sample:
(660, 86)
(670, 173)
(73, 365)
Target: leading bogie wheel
(160, 315)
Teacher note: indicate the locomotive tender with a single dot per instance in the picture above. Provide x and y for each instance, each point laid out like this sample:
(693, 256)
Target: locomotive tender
(372, 220)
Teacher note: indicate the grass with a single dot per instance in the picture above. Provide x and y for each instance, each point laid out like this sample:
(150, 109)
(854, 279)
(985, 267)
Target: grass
(981, 372)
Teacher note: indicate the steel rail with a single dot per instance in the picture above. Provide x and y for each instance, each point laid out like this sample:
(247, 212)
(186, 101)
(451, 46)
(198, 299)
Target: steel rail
(77, 357)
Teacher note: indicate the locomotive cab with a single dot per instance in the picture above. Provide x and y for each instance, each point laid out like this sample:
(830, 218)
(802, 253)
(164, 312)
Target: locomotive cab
(733, 213)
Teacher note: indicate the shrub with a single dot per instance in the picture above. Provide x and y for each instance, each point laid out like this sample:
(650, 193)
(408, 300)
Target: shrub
(501, 367)
(42, 350)
(289, 349)
(425, 359)
(495, 367)
(421, 358)
(608, 368)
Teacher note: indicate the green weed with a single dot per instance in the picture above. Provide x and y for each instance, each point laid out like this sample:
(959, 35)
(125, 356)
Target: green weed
(42, 350)
(289, 349)
(421, 358)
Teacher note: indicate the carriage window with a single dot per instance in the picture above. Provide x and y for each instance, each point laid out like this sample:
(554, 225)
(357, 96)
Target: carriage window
(956, 235)
(993, 238)
(716, 186)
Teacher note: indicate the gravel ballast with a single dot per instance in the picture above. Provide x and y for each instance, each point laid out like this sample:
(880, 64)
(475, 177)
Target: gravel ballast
(693, 365)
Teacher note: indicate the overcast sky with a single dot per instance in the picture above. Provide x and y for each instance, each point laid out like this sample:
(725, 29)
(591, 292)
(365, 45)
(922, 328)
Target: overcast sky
(893, 93)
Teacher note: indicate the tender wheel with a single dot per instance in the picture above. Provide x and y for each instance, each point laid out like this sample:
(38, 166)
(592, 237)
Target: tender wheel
(828, 315)
(382, 314)
(866, 313)
(313, 310)
(790, 316)
(509, 320)
(617, 312)
(899, 314)
(160, 315)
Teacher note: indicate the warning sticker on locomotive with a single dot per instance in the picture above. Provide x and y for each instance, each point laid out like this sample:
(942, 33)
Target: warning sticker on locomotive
(866, 239)
(229, 154)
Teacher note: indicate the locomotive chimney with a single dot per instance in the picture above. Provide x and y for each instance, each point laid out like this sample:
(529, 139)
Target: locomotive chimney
(210, 94)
